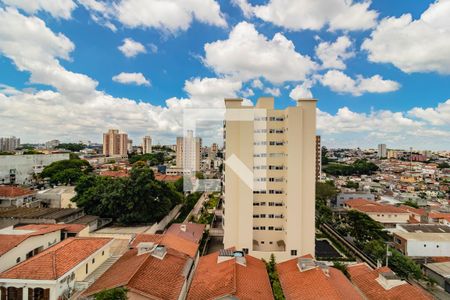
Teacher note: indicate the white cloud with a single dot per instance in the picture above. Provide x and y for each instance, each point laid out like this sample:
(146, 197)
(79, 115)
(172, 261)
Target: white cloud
(351, 129)
(168, 15)
(247, 93)
(131, 48)
(153, 48)
(131, 78)
(302, 91)
(420, 45)
(334, 54)
(307, 14)
(257, 84)
(341, 83)
(246, 55)
(57, 8)
(33, 47)
(100, 12)
(435, 116)
(272, 91)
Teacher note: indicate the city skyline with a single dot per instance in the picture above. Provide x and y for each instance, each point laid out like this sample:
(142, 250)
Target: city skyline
(64, 87)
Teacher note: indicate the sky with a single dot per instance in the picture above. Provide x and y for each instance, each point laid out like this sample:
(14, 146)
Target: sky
(71, 69)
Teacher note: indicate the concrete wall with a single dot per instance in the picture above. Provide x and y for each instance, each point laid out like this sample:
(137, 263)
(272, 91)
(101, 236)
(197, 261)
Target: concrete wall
(9, 259)
(26, 165)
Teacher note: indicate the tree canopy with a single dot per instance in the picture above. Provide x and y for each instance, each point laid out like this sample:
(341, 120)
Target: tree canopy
(359, 167)
(71, 147)
(118, 293)
(154, 159)
(139, 198)
(66, 171)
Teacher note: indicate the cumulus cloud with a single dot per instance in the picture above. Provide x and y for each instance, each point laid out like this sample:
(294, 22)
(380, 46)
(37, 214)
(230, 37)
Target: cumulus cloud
(58, 9)
(131, 78)
(334, 54)
(339, 82)
(413, 45)
(314, 15)
(257, 84)
(40, 49)
(167, 15)
(302, 91)
(439, 115)
(351, 129)
(272, 91)
(131, 48)
(247, 54)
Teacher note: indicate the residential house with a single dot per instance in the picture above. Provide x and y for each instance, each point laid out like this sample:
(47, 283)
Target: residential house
(16, 196)
(230, 274)
(54, 272)
(304, 278)
(382, 284)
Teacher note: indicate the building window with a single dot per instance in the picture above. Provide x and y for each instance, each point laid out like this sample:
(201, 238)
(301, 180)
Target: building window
(103, 253)
(93, 261)
(271, 243)
(437, 246)
(262, 228)
(245, 250)
(87, 268)
(262, 242)
(425, 245)
(18, 260)
(270, 227)
(294, 252)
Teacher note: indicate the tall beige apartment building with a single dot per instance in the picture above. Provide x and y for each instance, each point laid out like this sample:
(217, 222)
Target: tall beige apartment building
(115, 144)
(270, 172)
(189, 152)
(146, 145)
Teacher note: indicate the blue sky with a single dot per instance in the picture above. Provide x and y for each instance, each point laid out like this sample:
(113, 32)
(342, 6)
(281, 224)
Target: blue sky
(382, 75)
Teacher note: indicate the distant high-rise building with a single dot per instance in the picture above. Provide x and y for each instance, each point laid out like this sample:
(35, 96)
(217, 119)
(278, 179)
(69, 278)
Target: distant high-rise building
(189, 150)
(9, 144)
(52, 144)
(146, 145)
(382, 151)
(115, 143)
(130, 146)
(270, 172)
(318, 158)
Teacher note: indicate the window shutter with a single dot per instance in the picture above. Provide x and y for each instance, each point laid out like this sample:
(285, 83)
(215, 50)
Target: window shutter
(47, 294)
(3, 293)
(19, 293)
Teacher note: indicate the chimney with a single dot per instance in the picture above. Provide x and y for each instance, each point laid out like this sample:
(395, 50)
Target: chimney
(183, 227)
(145, 247)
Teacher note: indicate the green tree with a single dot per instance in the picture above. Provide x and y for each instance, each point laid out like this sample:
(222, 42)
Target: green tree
(363, 228)
(137, 199)
(118, 293)
(444, 165)
(274, 279)
(71, 147)
(66, 171)
(342, 267)
(351, 184)
(411, 203)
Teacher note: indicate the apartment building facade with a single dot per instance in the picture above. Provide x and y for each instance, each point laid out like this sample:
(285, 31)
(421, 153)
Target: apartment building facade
(115, 144)
(270, 173)
(9, 144)
(146, 145)
(189, 152)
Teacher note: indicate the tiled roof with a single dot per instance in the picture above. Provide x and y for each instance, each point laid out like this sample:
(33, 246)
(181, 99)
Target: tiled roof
(213, 280)
(120, 173)
(365, 279)
(146, 275)
(9, 241)
(417, 211)
(372, 206)
(172, 241)
(55, 261)
(314, 284)
(10, 191)
(193, 231)
(167, 178)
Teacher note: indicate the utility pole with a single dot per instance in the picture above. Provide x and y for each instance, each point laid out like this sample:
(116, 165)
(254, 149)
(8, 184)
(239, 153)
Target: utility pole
(388, 253)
